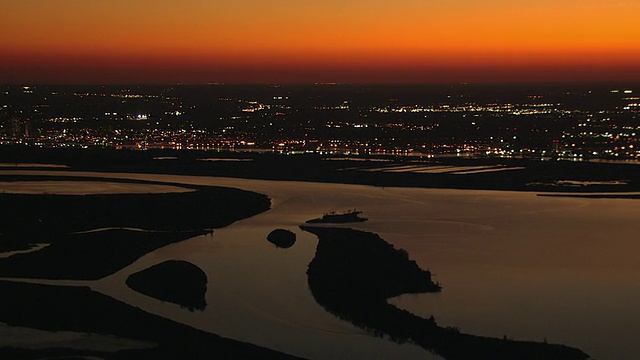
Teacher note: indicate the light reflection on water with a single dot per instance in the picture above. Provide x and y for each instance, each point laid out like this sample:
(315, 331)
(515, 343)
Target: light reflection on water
(258, 293)
(561, 269)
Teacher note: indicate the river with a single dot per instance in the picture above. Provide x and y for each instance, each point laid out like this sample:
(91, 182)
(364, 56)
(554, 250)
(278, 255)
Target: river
(559, 269)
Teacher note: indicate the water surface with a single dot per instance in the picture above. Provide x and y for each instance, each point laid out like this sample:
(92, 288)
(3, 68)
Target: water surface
(559, 269)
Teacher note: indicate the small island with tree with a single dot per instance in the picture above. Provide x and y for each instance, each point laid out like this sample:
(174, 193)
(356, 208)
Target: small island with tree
(282, 238)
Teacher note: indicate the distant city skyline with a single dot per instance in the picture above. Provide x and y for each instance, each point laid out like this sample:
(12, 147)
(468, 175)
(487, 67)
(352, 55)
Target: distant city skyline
(285, 41)
(577, 122)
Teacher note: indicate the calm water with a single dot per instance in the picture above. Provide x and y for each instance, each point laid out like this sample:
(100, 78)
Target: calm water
(515, 264)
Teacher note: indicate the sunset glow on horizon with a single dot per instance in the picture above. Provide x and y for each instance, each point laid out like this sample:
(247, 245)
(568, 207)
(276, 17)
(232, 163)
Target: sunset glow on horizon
(196, 41)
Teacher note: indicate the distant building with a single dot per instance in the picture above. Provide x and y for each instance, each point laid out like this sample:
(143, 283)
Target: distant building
(15, 128)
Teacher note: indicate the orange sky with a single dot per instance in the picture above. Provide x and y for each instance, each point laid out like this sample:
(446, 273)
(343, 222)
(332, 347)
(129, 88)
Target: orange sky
(116, 41)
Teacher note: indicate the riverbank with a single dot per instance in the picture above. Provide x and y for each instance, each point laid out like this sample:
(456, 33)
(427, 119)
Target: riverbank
(482, 173)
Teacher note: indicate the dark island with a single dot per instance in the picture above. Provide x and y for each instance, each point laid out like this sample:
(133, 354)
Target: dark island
(43, 217)
(338, 218)
(354, 273)
(282, 238)
(92, 236)
(179, 282)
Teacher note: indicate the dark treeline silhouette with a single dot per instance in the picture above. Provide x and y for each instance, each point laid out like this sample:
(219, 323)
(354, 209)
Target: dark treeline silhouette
(354, 273)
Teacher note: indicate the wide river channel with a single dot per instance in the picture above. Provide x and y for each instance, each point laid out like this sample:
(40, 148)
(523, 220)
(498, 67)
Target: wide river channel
(564, 270)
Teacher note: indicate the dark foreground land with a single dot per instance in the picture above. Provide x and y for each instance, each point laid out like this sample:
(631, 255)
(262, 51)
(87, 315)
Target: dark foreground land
(46, 217)
(61, 222)
(354, 273)
(58, 308)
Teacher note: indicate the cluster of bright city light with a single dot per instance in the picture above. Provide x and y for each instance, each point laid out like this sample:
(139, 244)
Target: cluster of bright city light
(398, 128)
